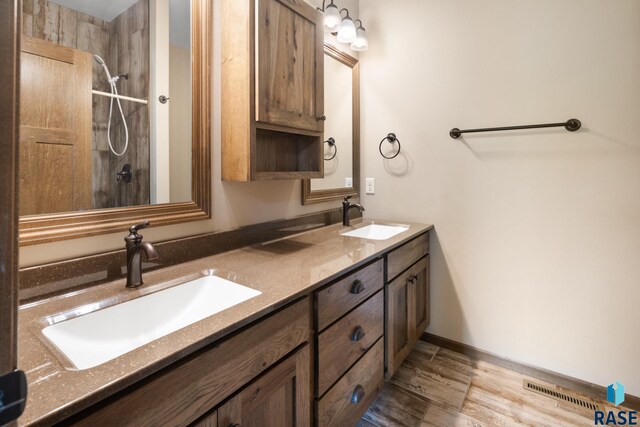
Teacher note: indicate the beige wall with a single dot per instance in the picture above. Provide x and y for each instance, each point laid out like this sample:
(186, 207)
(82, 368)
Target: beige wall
(234, 204)
(537, 250)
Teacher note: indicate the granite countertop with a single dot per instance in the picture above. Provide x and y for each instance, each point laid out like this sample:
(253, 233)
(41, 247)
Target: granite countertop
(283, 270)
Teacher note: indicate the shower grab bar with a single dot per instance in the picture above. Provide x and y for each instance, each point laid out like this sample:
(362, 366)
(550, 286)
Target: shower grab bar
(124, 98)
(571, 125)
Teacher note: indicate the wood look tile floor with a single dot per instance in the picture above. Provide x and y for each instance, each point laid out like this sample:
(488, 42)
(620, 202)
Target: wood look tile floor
(436, 387)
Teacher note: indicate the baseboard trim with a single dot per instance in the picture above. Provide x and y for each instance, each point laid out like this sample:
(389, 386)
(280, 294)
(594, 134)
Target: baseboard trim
(591, 390)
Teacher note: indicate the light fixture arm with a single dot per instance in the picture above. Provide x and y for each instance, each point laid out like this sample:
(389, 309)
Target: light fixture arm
(346, 10)
(325, 7)
(359, 24)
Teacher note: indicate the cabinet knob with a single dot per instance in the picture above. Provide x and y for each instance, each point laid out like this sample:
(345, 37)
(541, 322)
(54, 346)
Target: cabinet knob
(357, 287)
(357, 395)
(357, 334)
(322, 118)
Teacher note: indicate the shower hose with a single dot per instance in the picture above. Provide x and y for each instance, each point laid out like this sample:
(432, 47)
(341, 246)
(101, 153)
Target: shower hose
(114, 90)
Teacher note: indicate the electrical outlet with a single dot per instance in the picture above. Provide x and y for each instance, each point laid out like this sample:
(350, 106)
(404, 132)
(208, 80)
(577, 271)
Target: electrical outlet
(348, 182)
(371, 186)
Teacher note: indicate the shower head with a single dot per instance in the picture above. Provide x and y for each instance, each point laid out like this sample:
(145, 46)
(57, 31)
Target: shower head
(99, 60)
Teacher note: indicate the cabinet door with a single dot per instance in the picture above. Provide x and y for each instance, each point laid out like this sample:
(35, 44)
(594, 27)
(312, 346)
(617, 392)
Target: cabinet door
(399, 334)
(280, 397)
(290, 65)
(419, 299)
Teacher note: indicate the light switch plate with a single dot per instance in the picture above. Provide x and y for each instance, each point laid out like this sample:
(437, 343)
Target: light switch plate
(348, 182)
(371, 186)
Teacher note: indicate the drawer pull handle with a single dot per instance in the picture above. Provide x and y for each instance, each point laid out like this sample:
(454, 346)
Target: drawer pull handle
(234, 425)
(357, 395)
(358, 334)
(357, 287)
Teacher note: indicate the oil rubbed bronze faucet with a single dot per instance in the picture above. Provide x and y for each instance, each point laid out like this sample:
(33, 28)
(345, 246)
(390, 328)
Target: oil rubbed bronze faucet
(135, 247)
(346, 206)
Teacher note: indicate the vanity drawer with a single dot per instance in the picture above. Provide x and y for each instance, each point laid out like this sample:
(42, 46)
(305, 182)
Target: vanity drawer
(345, 341)
(346, 401)
(401, 258)
(183, 392)
(342, 296)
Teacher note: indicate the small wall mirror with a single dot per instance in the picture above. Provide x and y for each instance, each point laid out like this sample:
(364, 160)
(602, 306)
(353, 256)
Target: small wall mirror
(341, 131)
(114, 115)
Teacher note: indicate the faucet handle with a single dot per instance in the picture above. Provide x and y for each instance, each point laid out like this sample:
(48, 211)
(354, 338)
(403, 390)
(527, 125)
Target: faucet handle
(135, 228)
(346, 198)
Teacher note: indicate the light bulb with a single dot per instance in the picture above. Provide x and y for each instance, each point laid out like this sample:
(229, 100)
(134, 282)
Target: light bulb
(347, 32)
(332, 18)
(360, 43)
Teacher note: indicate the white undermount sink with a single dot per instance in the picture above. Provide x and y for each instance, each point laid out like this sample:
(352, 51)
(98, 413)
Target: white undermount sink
(376, 231)
(92, 339)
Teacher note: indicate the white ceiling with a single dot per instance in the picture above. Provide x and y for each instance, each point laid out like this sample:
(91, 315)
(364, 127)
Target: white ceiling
(103, 9)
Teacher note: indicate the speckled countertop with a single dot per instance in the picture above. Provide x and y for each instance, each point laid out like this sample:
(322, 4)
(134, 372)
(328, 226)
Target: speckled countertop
(282, 270)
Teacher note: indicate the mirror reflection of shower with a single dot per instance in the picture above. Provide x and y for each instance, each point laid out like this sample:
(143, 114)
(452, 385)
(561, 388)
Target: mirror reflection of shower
(114, 91)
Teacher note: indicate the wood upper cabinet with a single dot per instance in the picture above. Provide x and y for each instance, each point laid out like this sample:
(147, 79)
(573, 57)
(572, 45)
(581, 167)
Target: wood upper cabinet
(290, 67)
(280, 397)
(408, 299)
(272, 90)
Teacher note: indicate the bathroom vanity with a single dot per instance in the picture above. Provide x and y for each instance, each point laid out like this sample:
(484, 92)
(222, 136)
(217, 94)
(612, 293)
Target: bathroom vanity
(334, 314)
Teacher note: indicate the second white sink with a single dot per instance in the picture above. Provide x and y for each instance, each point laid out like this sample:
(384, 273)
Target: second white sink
(376, 232)
(102, 335)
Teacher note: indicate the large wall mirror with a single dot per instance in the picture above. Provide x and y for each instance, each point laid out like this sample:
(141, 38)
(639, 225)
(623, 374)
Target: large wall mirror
(114, 115)
(341, 131)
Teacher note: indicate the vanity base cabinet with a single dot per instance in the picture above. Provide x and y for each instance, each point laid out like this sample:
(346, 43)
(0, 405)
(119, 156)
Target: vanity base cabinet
(408, 300)
(350, 345)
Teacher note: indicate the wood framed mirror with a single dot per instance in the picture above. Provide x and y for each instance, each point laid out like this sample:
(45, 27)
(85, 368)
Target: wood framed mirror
(93, 130)
(342, 131)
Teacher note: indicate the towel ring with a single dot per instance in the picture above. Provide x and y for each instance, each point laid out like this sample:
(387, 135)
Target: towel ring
(390, 138)
(332, 143)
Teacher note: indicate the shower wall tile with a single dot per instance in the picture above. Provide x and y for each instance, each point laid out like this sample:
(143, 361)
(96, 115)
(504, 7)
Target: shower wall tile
(129, 52)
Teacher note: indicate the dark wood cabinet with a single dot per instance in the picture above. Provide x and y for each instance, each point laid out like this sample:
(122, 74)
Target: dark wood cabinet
(419, 298)
(209, 420)
(408, 299)
(280, 397)
(290, 57)
(398, 331)
(272, 90)
(349, 359)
